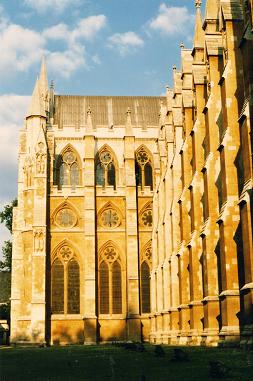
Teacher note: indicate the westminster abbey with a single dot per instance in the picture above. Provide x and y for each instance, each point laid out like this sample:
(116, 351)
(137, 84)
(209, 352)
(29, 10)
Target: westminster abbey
(134, 216)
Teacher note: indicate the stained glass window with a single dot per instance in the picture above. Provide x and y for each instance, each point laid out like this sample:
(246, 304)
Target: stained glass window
(104, 288)
(116, 289)
(145, 288)
(73, 287)
(100, 174)
(148, 176)
(105, 169)
(57, 287)
(68, 170)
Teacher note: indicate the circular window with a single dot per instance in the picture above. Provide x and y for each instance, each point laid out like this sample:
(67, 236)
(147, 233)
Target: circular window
(105, 157)
(65, 218)
(147, 218)
(69, 157)
(110, 218)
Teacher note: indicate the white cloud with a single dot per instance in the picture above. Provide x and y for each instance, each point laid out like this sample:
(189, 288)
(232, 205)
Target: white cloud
(67, 61)
(172, 20)
(12, 111)
(22, 47)
(56, 5)
(125, 43)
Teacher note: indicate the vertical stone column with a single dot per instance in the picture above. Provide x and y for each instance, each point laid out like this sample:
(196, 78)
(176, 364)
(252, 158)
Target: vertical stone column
(133, 309)
(90, 255)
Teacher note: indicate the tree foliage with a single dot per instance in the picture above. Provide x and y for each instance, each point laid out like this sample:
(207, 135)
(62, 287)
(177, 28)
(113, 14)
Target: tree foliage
(5, 265)
(6, 219)
(6, 214)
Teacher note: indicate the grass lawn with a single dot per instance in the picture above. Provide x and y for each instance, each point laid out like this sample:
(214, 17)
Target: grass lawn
(109, 362)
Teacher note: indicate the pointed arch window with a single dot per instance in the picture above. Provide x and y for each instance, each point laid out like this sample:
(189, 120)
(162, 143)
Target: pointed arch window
(143, 169)
(105, 169)
(110, 283)
(67, 169)
(145, 287)
(65, 283)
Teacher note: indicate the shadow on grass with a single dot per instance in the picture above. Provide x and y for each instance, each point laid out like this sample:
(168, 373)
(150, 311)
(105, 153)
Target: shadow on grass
(114, 362)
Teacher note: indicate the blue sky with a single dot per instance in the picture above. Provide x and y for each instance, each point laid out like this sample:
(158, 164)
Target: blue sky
(92, 47)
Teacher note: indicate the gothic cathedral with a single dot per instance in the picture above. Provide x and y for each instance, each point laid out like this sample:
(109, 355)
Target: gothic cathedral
(134, 216)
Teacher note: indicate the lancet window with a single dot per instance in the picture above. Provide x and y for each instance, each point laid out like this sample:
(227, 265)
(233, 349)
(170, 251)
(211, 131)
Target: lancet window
(65, 286)
(67, 169)
(143, 169)
(105, 169)
(110, 282)
(145, 278)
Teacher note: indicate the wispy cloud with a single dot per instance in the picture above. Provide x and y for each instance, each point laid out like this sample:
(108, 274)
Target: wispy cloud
(125, 43)
(172, 20)
(45, 5)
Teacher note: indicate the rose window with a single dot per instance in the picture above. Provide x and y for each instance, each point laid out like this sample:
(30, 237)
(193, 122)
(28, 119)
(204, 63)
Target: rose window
(110, 218)
(65, 218)
(142, 157)
(147, 218)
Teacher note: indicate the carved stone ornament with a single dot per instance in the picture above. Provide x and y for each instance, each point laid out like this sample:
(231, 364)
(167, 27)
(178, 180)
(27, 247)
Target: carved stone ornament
(147, 254)
(28, 171)
(65, 218)
(39, 240)
(41, 158)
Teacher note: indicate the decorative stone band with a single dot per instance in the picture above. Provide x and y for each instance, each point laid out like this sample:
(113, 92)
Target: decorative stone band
(183, 306)
(247, 286)
(210, 299)
(195, 303)
(229, 293)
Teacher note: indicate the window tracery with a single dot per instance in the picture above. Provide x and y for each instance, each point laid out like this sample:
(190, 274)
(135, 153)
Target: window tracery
(67, 169)
(143, 169)
(146, 216)
(105, 169)
(109, 217)
(65, 275)
(110, 281)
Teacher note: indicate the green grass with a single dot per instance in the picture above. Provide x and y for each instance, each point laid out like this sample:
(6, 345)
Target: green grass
(108, 362)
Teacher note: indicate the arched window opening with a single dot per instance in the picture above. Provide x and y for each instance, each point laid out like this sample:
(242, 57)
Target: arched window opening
(145, 288)
(110, 282)
(65, 281)
(116, 289)
(73, 287)
(57, 287)
(143, 169)
(104, 288)
(68, 169)
(100, 174)
(138, 174)
(148, 174)
(111, 175)
(105, 169)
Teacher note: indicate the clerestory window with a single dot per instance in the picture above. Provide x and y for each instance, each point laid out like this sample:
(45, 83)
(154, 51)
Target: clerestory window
(143, 170)
(67, 170)
(105, 169)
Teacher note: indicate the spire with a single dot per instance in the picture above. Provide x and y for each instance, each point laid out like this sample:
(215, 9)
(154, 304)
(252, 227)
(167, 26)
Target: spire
(129, 129)
(43, 76)
(36, 107)
(199, 36)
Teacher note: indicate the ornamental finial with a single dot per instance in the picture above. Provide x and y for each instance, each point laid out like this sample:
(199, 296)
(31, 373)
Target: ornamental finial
(198, 3)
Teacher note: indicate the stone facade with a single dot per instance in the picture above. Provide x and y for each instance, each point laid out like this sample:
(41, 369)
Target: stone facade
(134, 217)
